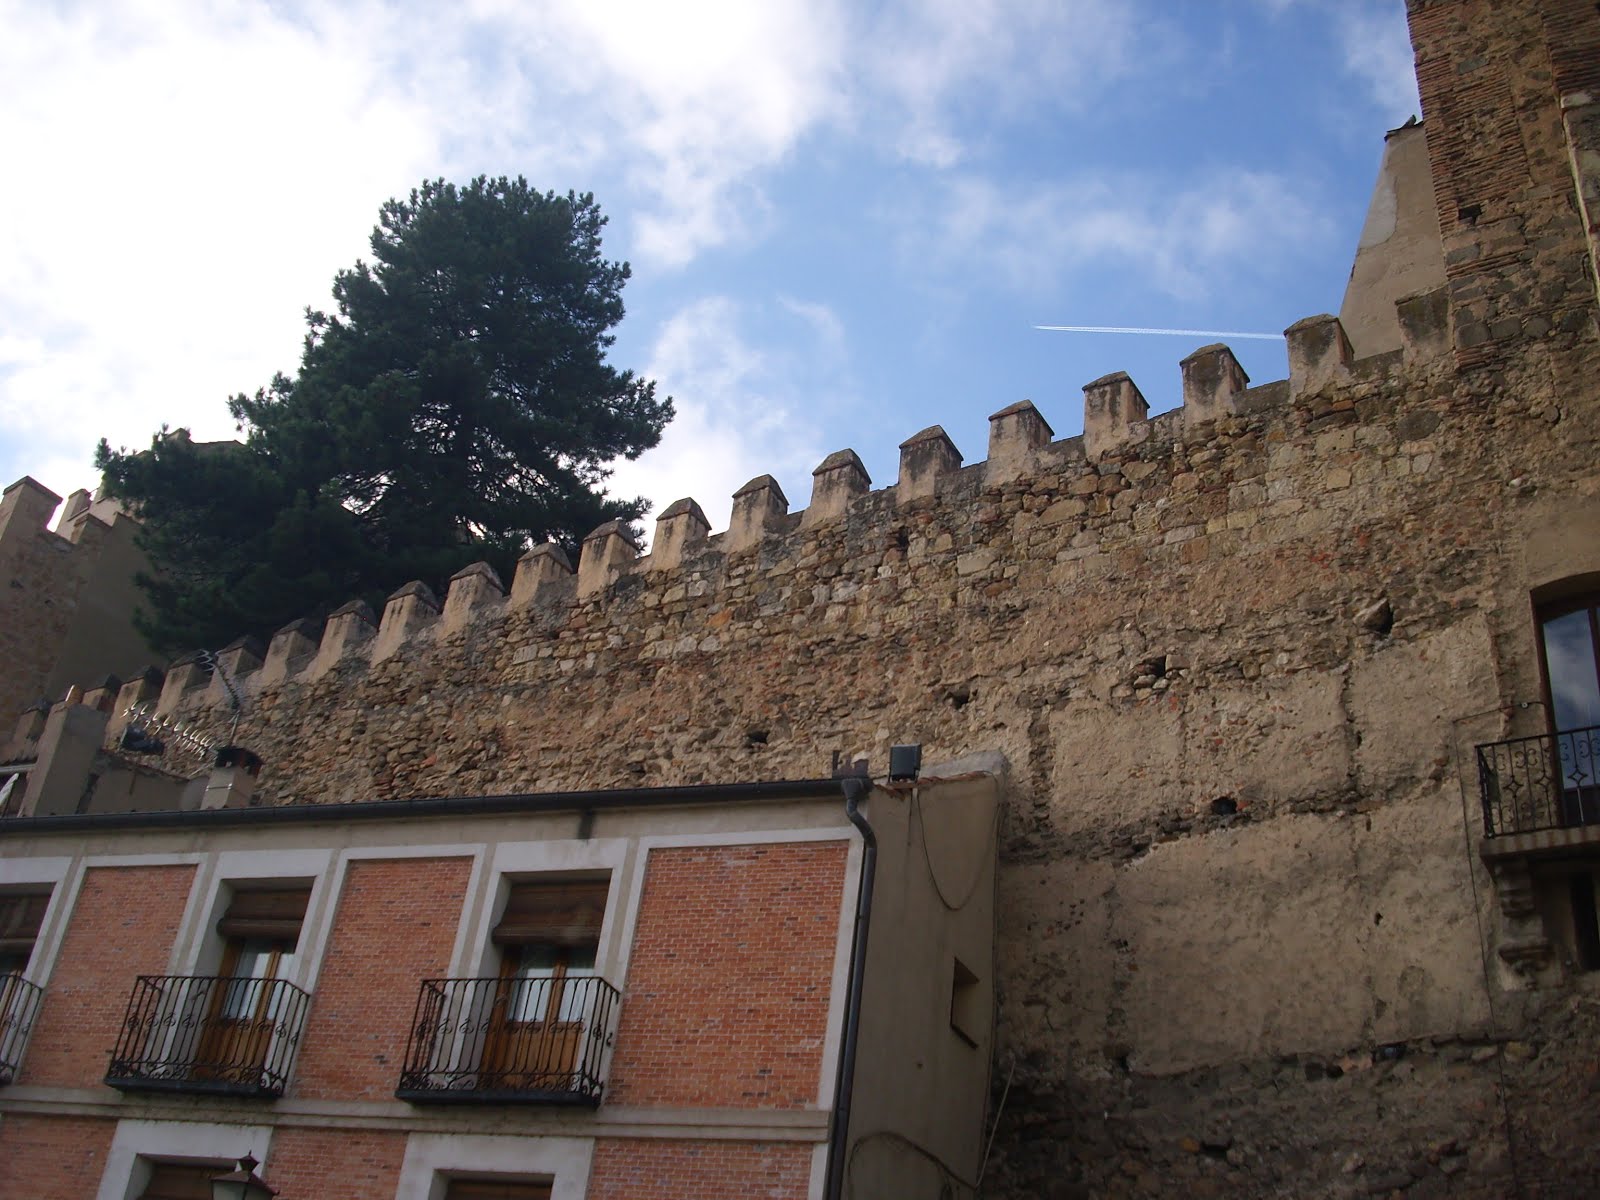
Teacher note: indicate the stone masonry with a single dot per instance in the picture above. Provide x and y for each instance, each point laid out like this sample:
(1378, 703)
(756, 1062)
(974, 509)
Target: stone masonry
(1237, 656)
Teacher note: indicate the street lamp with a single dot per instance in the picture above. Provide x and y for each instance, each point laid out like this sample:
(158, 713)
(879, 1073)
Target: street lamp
(243, 1184)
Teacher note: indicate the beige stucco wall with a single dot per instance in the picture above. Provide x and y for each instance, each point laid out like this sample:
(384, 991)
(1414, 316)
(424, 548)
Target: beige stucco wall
(921, 1091)
(1400, 251)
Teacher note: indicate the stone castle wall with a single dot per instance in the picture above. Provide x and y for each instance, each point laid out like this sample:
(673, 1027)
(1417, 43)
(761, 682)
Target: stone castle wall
(66, 596)
(1236, 655)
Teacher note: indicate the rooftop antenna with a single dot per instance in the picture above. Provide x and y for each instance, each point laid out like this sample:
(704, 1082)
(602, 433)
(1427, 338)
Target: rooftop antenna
(213, 664)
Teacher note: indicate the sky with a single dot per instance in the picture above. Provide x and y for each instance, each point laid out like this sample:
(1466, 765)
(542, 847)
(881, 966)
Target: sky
(844, 219)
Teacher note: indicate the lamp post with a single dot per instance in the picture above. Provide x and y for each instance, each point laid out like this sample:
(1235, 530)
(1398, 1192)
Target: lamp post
(243, 1184)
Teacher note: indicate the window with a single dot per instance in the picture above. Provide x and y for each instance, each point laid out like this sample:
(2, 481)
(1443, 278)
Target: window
(188, 1180)
(536, 1025)
(1569, 644)
(21, 914)
(495, 1189)
(548, 936)
(260, 930)
(13, 783)
(1569, 636)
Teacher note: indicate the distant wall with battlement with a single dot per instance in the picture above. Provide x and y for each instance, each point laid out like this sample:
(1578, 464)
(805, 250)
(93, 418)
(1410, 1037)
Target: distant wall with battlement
(66, 596)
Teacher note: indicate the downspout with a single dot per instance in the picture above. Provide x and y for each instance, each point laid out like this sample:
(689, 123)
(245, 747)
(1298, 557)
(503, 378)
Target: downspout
(839, 1132)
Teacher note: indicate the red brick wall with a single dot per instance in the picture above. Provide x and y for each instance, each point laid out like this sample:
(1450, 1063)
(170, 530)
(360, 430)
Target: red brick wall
(122, 926)
(52, 1158)
(728, 982)
(350, 1164)
(648, 1169)
(395, 926)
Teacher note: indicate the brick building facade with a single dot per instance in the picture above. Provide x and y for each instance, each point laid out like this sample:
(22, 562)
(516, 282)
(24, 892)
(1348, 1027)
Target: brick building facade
(1296, 686)
(617, 994)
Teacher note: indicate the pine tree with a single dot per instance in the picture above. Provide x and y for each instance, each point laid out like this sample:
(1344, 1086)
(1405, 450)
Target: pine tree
(457, 406)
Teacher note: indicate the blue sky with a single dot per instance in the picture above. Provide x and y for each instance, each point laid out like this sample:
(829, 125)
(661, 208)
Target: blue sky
(844, 219)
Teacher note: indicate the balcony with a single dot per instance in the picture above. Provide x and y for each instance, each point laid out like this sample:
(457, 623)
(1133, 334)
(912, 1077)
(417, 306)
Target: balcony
(210, 1034)
(1532, 784)
(19, 1005)
(510, 1040)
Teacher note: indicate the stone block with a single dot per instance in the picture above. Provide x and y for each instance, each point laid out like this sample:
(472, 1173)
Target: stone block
(1212, 378)
(925, 458)
(409, 611)
(185, 674)
(473, 589)
(539, 572)
(26, 506)
(1319, 353)
(1016, 434)
(607, 553)
(292, 647)
(681, 530)
(1110, 404)
(1424, 324)
(239, 657)
(348, 626)
(838, 479)
(759, 507)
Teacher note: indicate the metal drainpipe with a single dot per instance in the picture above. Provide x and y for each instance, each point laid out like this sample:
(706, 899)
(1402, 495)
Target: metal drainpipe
(839, 1132)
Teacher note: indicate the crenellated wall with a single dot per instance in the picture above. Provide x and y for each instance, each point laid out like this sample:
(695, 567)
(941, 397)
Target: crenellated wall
(1126, 476)
(66, 596)
(1237, 656)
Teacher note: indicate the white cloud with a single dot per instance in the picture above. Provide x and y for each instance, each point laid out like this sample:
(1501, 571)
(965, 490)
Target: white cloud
(189, 181)
(1375, 45)
(1377, 51)
(742, 411)
(1190, 244)
(935, 60)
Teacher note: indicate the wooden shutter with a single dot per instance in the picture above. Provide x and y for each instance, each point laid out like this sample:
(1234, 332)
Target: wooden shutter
(21, 914)
(495, 1189)
(182, 1181)
(273, 913)
(553, 913)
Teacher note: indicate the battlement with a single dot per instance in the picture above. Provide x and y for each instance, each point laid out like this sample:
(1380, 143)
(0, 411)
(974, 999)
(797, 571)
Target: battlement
(67, 604)
(1107, 472)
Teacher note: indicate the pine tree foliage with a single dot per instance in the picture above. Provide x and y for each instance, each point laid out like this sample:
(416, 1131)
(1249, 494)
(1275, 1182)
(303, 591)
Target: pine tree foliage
(458, 405)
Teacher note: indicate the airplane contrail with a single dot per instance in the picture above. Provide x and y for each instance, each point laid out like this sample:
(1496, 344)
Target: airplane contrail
(1210, 333)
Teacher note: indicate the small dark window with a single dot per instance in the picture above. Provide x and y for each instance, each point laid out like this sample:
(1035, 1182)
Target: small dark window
(1585, 922)
(21, 915)
(495, 1189)
(183, 1180)
(965, 1002)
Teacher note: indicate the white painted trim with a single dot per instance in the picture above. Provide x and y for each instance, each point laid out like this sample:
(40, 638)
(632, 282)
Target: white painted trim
(748, 837)
(819, 1172)
(707, 1124)
(416, 850)
(124, 1176)
(430, 1157)
(535, 858)
(34, 870)
(202, 949)
(181, 858)
(843, 938)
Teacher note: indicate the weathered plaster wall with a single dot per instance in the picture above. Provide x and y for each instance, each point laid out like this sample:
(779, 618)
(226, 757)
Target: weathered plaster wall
(1399, 253)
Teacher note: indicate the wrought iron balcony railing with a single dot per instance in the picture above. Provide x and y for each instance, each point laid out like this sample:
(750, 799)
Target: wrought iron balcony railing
(519, 1040)
(209, 1033)
(19, 1004)
(1549, 781)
